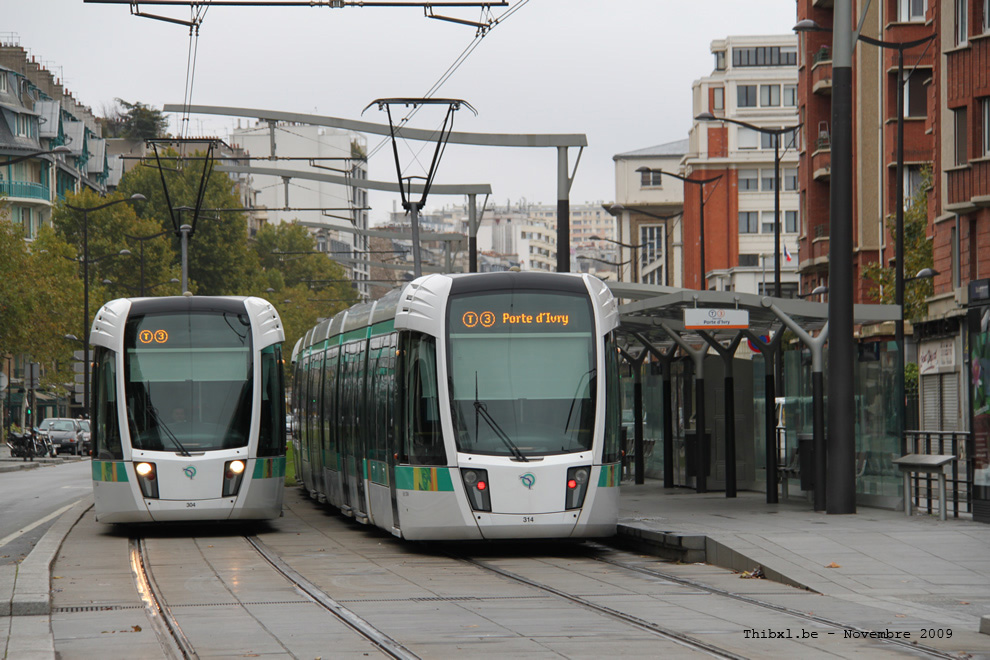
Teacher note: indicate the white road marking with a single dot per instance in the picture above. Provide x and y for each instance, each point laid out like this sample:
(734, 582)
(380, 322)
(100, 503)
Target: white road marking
(7, 539)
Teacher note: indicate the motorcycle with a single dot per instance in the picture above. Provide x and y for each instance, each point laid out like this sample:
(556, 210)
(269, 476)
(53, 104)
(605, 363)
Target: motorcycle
(27, 445)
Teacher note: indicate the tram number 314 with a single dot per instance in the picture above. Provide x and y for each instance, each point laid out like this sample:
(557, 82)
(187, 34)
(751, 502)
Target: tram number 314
(528, 519)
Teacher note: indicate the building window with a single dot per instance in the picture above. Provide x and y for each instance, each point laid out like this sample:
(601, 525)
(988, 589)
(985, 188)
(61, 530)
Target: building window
(720, 60)
(790, 95)
(791, 223)
(790, 178)
(749, 260)
(747, 138)
(986, 15)
(651, 238)
(985, 122)
(959, 121)
(915, 94)
(651, 179)
(770, 95)
(749, 180)
(764, 56)
(910, 10)
(748, 222)
(962, 20)
(718, 98)
(912, 183)
(3, 81)
(768, 222)
(746, 96)
(768, 180)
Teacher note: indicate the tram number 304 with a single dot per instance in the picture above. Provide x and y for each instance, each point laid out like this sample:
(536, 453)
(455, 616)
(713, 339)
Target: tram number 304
(528, 519)
(190, 505)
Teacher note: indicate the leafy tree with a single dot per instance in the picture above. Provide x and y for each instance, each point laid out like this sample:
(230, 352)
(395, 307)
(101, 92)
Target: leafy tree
(306, 284)
(220, 262)
(917, 255)
(133, 120)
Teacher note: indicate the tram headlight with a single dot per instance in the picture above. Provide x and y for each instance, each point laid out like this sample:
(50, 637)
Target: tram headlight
(577, 486)
(147, 479)
(476, 486)
(233, 472)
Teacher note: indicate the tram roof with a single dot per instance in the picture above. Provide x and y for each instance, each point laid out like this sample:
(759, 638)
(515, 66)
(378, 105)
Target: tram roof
(647, 305)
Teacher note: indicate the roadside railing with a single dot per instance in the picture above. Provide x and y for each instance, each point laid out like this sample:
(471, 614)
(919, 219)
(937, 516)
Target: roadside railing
(959, 479)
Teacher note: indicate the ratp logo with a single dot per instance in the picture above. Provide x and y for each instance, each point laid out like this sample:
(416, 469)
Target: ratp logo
(189, 471)
(528, 480)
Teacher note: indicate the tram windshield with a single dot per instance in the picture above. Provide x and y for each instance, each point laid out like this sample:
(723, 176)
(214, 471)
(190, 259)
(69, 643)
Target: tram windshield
(522, 373)
(188, 381)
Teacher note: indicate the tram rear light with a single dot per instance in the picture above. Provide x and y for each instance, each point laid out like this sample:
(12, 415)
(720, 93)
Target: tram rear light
(577, 486)
(476, 485)
(147, 479)
(233, 472)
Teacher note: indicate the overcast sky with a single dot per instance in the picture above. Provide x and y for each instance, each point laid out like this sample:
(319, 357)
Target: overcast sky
(619, 71)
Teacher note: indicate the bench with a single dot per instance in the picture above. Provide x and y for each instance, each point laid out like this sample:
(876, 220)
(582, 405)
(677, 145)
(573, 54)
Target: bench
(924, 464)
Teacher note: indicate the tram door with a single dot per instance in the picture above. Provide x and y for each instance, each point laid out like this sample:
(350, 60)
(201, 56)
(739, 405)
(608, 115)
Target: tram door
(350, 423)
(315, 437)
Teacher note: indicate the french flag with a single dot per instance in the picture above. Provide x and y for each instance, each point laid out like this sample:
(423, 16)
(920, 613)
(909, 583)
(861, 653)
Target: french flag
(787, 253)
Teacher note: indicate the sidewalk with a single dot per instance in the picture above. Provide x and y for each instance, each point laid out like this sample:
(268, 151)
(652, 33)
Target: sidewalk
(918, 566)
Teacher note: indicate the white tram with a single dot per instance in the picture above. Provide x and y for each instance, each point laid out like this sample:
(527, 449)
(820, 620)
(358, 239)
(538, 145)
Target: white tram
(188, 409)
(471, 406)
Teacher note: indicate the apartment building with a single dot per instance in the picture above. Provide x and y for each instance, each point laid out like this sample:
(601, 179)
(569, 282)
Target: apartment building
(751, 96)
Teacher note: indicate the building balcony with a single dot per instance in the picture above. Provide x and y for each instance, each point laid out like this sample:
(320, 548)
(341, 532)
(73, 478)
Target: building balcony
(969, 185)
(821, 162)
(821, 72)
(24, 190)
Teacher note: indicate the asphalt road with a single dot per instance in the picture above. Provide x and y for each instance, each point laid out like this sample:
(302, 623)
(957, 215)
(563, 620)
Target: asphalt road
(30, 501)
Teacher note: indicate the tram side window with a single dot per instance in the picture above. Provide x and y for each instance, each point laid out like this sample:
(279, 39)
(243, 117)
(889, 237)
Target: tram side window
(423, 438)
(106, 436)
(613, 403)
(271, 435)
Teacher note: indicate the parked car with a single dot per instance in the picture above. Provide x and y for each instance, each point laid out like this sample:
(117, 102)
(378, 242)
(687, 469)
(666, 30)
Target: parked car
(66, 434)
(87, 436)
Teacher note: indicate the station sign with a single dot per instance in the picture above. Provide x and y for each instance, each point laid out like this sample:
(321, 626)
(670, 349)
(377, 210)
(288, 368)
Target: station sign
(700, 318)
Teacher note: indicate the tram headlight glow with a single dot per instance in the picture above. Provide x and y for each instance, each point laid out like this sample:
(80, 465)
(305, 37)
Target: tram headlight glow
(233, 473)
(476, 485)
(147, 473)
(577, 486)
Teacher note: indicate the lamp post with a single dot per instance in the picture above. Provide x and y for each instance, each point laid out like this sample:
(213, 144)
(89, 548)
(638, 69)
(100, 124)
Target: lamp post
(808, 25)
(86, 261)
(634, 260)
(701, 212)
(57, 151)
(141, 240)
(776, 133)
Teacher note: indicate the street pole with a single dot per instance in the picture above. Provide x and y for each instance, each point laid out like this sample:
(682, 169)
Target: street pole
(899, 256)
(85, 312)
(184, 235)
(840, 464)
(776, 215)
(701, 228)
(414, 220)
(563, 213)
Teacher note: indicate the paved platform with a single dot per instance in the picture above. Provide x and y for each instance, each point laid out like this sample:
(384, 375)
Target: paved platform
(918, 566)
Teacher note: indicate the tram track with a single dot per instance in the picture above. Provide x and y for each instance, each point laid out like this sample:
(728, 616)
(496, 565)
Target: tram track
(675, 636)
(173, 641)
(781, 609)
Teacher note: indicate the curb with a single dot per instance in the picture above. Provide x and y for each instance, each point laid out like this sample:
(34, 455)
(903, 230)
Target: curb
(985, 624)
(700, 548)
(32, 594)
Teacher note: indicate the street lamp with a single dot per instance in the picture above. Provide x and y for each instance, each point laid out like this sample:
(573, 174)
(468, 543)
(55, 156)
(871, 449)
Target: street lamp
(776, 133)
(141, 240)
(808, 25)
(701, 212)
(634, 260)
(86, 261)
(57, 151)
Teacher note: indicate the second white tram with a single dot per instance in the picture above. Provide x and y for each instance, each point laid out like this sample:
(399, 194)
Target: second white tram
(472, 406)
(188, 410)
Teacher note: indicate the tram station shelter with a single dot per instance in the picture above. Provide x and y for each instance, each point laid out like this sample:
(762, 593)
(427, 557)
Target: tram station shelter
(669, 336)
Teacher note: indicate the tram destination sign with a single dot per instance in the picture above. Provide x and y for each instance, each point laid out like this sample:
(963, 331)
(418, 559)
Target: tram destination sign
(715, 319)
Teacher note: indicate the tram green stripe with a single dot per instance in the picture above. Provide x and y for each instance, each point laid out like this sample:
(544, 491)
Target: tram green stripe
(383, 328)
(360, 333)
(109, 471)
(610, 475)
(423, 478)
(269, 468)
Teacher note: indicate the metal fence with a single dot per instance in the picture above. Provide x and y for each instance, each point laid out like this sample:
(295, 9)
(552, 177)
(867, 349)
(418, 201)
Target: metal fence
(958, 481)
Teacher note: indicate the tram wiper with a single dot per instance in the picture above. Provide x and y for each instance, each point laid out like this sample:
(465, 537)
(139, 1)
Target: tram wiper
(168, 432)
(482, 410)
